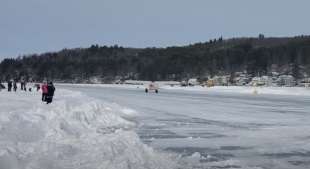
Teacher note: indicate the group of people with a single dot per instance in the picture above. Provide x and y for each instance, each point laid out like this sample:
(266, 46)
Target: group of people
(12, 85)
(48, 90)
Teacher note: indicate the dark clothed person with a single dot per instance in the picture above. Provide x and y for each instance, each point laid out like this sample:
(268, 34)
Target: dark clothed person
(14, 86)
(50, 92)
(37, 86)
(23, 84)
(10, 86)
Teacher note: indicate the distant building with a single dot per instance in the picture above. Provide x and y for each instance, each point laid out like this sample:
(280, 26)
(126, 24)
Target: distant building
(220, 80)
(193, 82)
(184, 83)
(95, 80)
(286, 80)
(118, 81)
(266, 80)
(210, 83)
(241, 79)
(275, 74)
(305, 82)
(257, 81)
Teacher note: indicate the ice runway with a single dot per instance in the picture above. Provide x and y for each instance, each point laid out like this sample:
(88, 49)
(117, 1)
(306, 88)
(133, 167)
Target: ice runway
(219, 130)
(121, 127)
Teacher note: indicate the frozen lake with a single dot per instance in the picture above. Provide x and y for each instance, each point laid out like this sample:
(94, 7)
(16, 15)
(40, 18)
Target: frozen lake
(220, 130)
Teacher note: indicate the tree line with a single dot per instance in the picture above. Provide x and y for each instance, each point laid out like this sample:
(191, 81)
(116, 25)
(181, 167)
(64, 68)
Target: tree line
(201, 60)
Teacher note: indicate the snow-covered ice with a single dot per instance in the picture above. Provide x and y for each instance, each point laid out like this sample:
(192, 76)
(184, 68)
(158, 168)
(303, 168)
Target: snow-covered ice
(297, 91)
(120, 126)
(74, 132)
(221, 127)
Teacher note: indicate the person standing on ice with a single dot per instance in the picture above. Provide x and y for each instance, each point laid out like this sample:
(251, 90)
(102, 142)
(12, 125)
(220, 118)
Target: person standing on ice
(14, 85)
(44, 91)
(23, 84)
(37, 86)
(25, 88)
(50, 92)
(10, 85)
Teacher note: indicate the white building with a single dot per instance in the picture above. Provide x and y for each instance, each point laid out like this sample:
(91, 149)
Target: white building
(275, 74)
(257, 81)
(95, 80)
(286, 80)
(305, 82)
(267, 81)
(241, 80)
(193, 82)
(220, 80)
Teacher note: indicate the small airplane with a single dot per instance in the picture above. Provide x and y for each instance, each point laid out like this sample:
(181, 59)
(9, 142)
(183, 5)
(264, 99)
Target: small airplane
(152, 87)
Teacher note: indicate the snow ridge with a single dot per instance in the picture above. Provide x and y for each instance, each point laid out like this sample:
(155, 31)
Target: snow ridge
(74, 132)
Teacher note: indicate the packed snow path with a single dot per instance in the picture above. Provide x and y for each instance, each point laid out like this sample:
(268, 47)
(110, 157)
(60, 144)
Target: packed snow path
(220, 129)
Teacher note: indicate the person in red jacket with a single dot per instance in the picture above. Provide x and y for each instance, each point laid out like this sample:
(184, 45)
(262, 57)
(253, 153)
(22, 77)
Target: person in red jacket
(44, 91)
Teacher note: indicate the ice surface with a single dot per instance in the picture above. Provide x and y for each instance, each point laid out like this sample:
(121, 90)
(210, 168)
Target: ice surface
(74, 132)
(296, 91)
(108, 126)
(216, 128)
(246, 90)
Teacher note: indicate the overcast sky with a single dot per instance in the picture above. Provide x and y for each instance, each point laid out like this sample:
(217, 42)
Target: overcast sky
(35, 26)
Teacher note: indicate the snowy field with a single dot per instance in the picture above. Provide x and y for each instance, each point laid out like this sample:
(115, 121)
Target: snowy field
(120, 126)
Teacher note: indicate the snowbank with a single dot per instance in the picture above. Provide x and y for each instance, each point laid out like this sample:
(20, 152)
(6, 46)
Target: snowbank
(74, 132)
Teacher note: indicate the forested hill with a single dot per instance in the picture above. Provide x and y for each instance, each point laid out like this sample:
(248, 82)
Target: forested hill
(215, 57)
